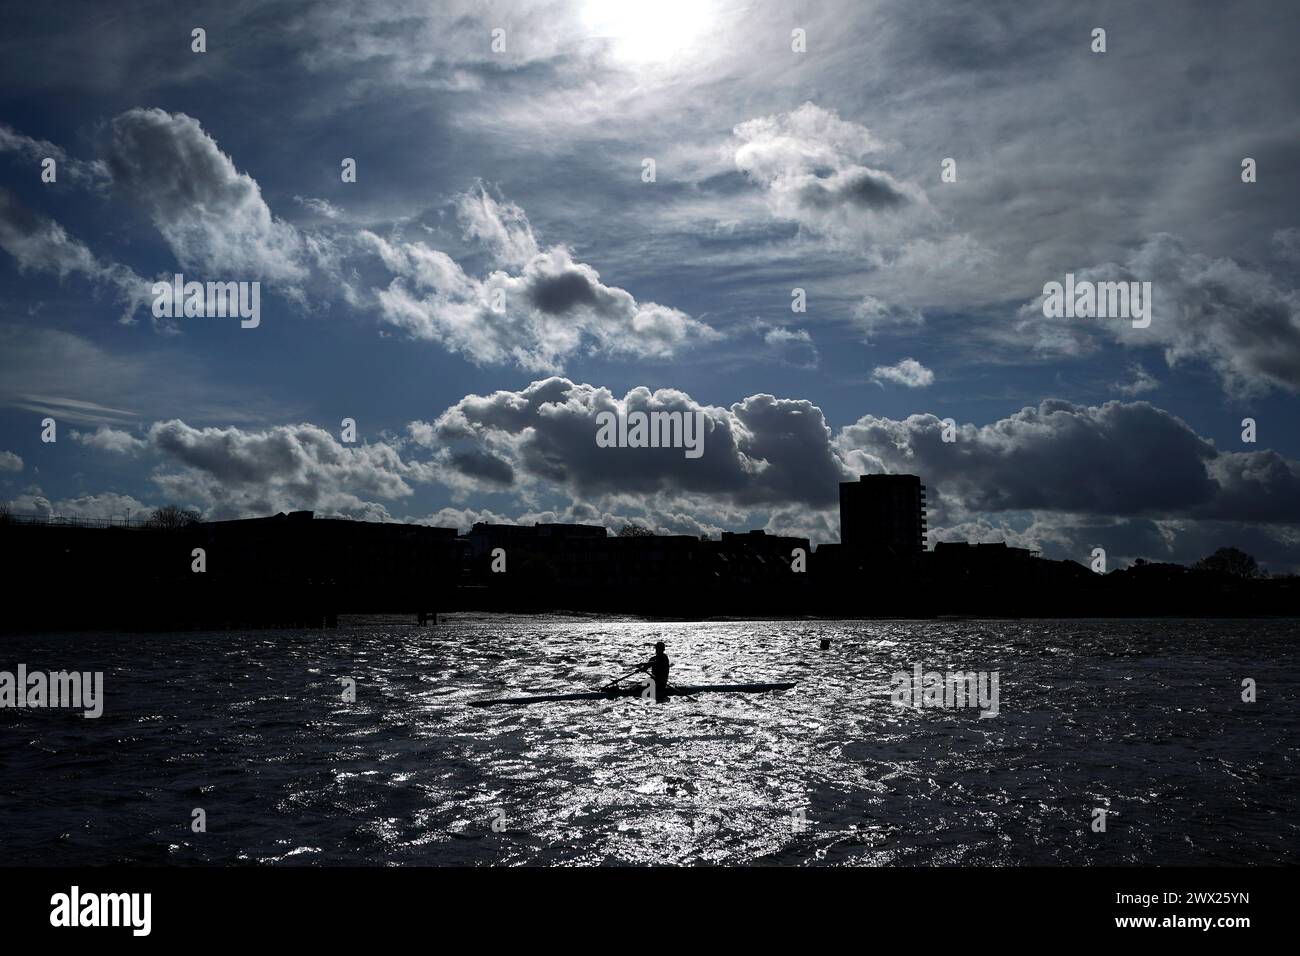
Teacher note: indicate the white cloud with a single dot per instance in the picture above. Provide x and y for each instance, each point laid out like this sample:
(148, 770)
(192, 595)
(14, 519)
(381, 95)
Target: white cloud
(105, 438)
(502, 226)
(408, 45)
(319, 207)
(1050, 477)
(37, 151)
(551, 309)
(809, 163)
(231, 471)
(872, 316)
(41, 244)
(108, 504)
(1243, 322)
(907, 372)
(790, 346)
(1120, 459)
(211, 215)
(760, 450)
(1143, 381)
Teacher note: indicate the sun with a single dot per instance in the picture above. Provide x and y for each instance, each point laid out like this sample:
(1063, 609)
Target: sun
(654, 32)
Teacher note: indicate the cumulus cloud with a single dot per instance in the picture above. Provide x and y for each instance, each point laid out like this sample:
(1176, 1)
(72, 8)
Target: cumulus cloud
(1120, 459)
(231, 471)
(106, 438)
(1064, 478)
(907, 372)
(1053, 477)
(108, 504)
(1050, 468)
(551, 309)
(211, 215)
(809, 162)
(1243, 322)
(760, 451)
(789, 346)
(1126, 475)
(11, 462)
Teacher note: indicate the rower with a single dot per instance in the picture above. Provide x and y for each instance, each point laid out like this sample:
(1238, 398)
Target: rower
(657, 667)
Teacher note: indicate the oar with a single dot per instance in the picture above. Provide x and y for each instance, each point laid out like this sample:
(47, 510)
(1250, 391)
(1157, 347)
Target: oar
(616, 680)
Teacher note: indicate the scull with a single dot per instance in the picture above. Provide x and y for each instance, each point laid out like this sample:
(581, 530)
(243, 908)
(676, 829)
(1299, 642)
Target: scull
(613, 692)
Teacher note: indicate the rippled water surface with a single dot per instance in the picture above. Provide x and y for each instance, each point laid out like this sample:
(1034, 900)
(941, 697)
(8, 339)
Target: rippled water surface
(1144, 718)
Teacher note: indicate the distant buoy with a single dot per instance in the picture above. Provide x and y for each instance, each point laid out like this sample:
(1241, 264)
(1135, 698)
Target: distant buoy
(826, 643)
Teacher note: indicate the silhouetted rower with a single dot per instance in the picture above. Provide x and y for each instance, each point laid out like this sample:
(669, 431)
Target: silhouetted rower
(657, 666)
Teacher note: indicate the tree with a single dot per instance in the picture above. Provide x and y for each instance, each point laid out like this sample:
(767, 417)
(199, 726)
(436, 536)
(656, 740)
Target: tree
(1232, 562)
(172, 518)
(635, 531)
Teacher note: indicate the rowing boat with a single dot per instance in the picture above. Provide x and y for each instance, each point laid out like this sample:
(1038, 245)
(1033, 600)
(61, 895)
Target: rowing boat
(687, 690)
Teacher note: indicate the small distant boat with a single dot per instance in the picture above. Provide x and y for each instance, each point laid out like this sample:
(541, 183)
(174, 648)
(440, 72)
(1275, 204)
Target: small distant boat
(687, 690)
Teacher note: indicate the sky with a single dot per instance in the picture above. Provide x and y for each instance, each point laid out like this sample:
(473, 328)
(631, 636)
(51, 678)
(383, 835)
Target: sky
(826, 228)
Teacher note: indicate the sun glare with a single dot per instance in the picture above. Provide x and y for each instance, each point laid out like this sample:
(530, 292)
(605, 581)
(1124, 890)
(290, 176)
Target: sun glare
(647, 32)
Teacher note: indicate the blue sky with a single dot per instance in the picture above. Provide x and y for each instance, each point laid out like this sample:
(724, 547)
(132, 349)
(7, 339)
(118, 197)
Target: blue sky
(521, 169)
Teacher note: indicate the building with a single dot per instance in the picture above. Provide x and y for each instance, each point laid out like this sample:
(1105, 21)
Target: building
(549, 538)
(368, 557)
(961, 561)
(287, 570)
(763, 543)
(883, 514)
